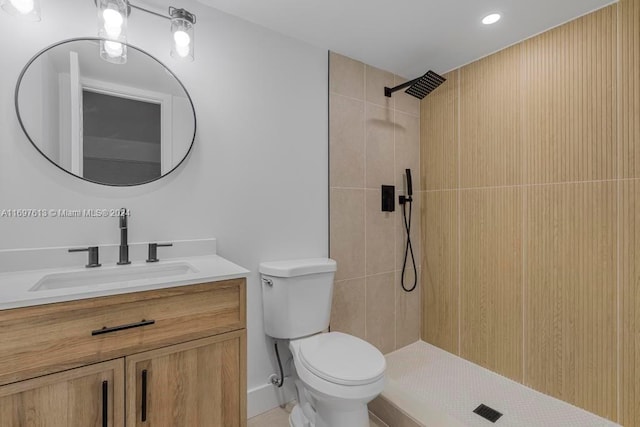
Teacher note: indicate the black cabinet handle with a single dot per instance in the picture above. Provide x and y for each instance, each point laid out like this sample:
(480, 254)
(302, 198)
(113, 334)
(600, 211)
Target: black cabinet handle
(105, 404)
(143, 409)
(106, 330)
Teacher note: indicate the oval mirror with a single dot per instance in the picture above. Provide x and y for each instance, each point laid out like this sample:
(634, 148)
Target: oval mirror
(113, 124)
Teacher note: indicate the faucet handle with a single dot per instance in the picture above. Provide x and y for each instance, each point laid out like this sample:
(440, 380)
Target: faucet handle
(153, 251)
(93, 255)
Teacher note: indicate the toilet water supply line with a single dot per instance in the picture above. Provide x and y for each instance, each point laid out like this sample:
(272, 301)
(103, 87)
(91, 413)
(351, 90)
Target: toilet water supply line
(278, 382)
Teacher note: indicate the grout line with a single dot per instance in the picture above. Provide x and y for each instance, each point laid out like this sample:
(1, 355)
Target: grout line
(523, 289)
(364, 95)
(420, 230)
(523, 230)
(618, 164)
(351, 188)
(374, 103)
(347, 96)
(595, 181)
(382, 273)
(329, 159)
(459, 214)
(395, 233)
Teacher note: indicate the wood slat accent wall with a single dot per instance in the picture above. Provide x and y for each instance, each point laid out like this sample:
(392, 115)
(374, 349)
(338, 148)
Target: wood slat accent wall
(491, 278)
(439, 124)
(490, 136)
(531, 212)
(570, 293)
(440, 269)
(629, 297)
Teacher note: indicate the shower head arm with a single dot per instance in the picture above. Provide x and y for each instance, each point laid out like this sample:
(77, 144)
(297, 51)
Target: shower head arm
(388, 91)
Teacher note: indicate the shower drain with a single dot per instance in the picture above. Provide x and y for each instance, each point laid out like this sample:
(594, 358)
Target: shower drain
(487, 413)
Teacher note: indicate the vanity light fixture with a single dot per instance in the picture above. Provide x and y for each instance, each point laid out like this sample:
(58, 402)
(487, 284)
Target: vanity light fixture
(29, 9)
(182, 23)
(491, 18)
(112, 20)
(112, 28)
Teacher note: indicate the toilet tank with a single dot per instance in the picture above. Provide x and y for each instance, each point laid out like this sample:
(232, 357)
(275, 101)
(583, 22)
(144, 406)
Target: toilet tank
(296, 296)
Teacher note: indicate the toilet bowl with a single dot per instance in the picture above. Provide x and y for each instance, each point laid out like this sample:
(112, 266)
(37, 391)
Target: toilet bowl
(337, 373)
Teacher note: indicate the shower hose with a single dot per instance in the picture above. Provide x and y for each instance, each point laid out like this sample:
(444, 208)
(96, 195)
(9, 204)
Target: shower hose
(408, 249)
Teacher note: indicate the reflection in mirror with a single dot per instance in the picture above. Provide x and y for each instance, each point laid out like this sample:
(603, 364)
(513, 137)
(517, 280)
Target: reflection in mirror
(115, 124)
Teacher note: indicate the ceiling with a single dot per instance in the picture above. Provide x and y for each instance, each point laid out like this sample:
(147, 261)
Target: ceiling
(408, 37)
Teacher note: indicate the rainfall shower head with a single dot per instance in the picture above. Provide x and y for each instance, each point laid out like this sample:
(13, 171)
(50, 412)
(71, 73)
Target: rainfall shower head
(420, 87)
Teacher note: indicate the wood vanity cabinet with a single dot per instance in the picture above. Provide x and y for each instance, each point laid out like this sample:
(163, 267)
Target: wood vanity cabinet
(170, 357)
(89, 396)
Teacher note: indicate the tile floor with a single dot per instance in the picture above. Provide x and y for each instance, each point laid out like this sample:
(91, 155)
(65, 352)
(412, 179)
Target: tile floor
(279, 417)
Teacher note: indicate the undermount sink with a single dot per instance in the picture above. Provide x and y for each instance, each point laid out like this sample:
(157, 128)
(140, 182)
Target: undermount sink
(104, 275)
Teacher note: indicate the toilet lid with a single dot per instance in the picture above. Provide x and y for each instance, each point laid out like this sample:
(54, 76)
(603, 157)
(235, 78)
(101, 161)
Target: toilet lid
(342, 359)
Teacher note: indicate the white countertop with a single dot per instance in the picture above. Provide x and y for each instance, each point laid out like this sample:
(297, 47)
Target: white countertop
(16, 287)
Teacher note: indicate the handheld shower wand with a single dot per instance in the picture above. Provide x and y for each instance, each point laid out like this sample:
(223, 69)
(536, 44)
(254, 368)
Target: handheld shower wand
(404, 201)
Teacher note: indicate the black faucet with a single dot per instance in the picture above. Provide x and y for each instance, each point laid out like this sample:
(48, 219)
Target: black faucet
(153, 251)
(124, 244)
(93, 256)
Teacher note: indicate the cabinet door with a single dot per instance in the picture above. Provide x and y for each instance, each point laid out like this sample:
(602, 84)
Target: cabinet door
(91, 396)
(200, 383)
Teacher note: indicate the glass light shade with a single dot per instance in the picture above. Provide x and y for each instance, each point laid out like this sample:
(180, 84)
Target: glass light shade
(114, 52)
(28, 9)
(112, 27)
(182, 39)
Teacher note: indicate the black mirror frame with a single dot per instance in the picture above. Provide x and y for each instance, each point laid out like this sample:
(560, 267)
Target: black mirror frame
(24, 130)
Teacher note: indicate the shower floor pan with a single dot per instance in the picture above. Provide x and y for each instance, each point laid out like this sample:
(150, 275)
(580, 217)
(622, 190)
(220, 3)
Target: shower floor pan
(428, 387)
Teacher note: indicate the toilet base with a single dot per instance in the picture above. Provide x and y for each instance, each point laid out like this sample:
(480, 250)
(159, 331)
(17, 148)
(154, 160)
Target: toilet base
(333, 417)
(297, 418)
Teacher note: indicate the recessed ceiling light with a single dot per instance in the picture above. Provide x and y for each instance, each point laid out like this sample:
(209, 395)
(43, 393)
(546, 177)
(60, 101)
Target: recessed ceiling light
(491, 19)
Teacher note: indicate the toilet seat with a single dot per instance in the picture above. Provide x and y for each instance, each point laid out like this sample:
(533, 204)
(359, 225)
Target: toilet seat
(342, 359)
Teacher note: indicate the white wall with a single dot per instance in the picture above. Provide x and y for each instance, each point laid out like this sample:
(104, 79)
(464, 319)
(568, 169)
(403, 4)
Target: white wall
(256, 178)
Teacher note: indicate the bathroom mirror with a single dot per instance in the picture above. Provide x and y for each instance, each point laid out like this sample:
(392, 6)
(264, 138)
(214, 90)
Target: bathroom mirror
(112, 124)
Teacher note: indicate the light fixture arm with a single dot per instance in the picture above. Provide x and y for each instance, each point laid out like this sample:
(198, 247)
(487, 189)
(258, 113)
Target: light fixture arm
(142, 9)
(173, 12)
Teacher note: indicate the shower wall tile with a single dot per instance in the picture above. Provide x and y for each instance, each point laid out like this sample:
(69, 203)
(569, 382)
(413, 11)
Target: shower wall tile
(405, 102)
(570, 131)
(347, 236)
(346, 76)
(570, 293)
(380, 235)
(439, 136)
(440, 297)
(490, 113)
(371, 143)
(375, 82)
(407, 310)
(555, 119)
(381, 329)
(348, 310)
(629, 25)
(491, 279)
(407, 152)
(380, 129)
(346, 142)
(629, 300)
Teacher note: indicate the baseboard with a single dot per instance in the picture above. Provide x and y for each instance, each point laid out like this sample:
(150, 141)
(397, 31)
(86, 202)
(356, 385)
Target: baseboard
(266, 397)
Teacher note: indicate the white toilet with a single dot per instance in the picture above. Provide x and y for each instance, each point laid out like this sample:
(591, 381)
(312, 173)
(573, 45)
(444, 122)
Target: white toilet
(338, 373)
